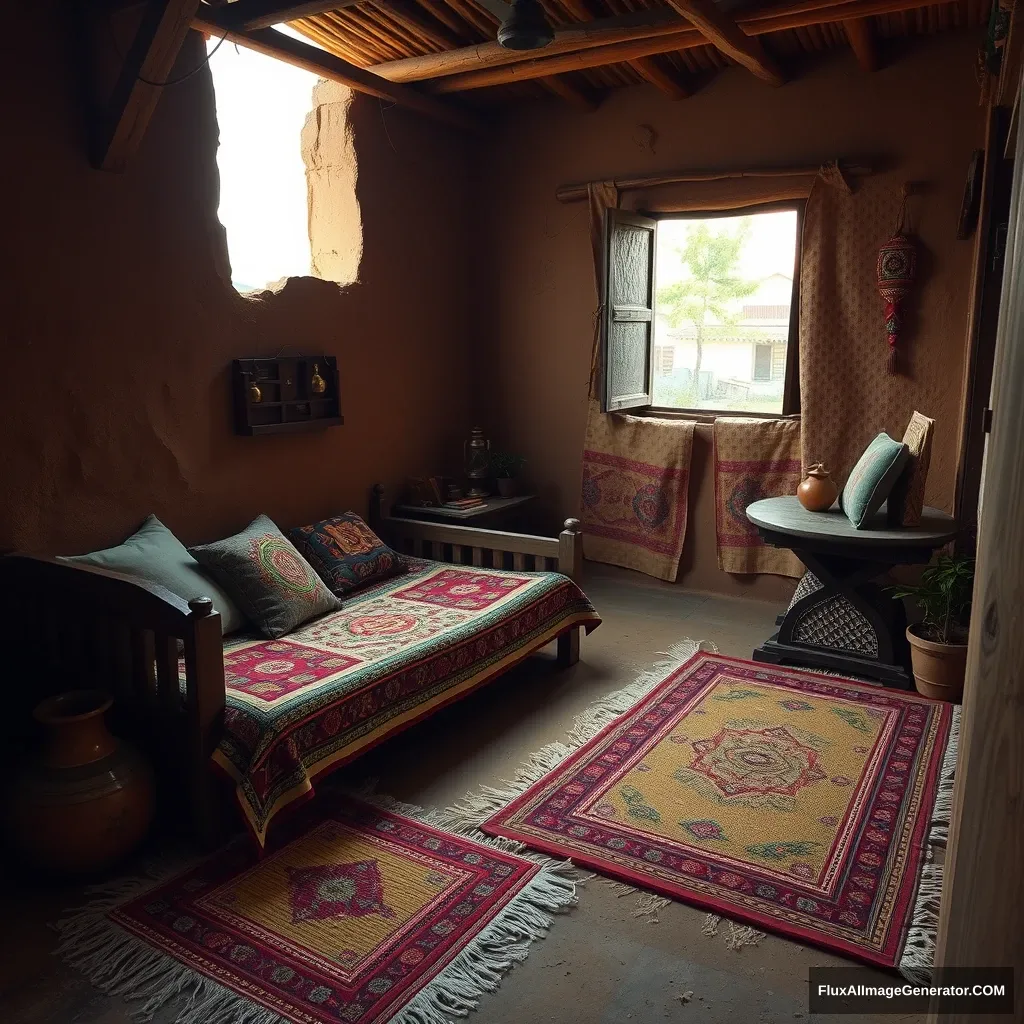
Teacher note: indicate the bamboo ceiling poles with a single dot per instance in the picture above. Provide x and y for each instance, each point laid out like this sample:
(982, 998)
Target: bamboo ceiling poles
(625, 28)
(724, 33)
(610, 40)
(311, 58)
(576, 192)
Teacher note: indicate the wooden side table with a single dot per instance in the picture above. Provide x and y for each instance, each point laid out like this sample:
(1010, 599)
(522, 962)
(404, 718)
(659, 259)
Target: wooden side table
(840, 618)
(495, 513)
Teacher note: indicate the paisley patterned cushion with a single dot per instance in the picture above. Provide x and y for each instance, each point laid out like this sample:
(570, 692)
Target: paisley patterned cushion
(872, 479)
(270, 581)
(346, 552)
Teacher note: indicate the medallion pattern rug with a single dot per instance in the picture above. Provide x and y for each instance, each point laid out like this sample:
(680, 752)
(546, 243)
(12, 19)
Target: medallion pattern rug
(793, 801)
(363, 915)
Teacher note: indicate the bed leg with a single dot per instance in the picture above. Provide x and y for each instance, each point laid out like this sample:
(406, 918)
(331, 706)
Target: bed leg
(569, 648)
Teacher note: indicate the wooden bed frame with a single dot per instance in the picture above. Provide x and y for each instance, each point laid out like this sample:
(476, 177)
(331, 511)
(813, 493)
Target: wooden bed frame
(74, 627)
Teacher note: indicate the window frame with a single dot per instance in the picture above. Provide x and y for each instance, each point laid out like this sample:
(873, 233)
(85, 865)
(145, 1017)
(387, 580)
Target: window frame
(791, 383)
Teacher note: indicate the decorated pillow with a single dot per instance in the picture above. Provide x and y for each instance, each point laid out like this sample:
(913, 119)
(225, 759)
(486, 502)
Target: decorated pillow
(906, 500)
(872, 479)
(346, 552)
(271, 582)
(155, 555)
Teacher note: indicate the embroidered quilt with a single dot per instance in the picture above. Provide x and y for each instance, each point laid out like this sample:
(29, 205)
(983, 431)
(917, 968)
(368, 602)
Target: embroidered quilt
(302, 704)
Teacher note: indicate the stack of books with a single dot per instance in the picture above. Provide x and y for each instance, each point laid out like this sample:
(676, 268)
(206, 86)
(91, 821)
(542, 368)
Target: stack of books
(464, 503)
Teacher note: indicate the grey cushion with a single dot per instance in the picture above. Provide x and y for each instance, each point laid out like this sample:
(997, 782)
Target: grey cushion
(154, 554)
(268, 578)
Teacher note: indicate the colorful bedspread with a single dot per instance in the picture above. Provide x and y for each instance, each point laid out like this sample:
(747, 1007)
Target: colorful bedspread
(396, 652)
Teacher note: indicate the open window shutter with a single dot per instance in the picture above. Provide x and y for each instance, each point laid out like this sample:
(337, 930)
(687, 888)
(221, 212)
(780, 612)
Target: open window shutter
(628, 329)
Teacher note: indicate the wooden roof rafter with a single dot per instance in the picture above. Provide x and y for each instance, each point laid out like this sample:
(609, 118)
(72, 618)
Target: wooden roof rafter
(121, 123)
(730, 39)
(613, 40)
(311, 58)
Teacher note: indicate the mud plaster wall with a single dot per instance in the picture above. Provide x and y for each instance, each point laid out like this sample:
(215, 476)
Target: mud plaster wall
(118, 322)
(919, 117)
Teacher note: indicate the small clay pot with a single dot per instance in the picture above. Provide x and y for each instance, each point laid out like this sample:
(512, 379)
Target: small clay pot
(939, 669)
(506, 486)
(817, 492)
(86, 801)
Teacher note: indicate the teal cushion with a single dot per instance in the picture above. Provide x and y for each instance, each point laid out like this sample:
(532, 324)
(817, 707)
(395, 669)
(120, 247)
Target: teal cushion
(154, 554)
(872, 479)
(271, 582)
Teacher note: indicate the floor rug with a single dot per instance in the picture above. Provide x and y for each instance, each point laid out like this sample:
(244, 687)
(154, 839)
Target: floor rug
(796, 802)
(359, 915)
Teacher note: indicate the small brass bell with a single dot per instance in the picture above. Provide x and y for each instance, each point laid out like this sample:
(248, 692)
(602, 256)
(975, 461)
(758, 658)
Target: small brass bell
(317, 384)
(255, 395)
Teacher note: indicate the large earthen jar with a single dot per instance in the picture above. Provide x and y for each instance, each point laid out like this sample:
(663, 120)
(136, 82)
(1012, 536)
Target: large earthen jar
(86, 801)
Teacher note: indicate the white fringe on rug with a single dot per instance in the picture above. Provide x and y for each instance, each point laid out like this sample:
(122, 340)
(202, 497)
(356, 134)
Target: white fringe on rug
(918, 957)
(465, 816)
(118, 963)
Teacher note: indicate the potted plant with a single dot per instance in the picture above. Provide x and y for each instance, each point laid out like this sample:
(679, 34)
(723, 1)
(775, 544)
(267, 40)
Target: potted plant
(938, 643)
(505, 468)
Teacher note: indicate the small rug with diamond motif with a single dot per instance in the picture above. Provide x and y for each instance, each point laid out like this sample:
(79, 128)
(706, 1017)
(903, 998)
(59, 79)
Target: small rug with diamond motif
(362, 915)
(796, 802)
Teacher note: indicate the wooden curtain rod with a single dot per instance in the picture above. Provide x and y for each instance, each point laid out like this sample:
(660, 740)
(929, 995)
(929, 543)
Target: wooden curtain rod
(577, 192)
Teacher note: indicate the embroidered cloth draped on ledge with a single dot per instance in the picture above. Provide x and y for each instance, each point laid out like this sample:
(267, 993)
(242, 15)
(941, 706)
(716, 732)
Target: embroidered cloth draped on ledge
(754, 459)
(636, 474)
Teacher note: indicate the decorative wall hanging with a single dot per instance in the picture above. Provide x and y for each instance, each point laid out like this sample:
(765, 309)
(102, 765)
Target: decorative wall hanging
(897, 265)
(285, 395)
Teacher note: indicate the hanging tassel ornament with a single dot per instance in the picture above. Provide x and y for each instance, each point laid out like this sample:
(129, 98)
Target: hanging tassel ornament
(897, 263)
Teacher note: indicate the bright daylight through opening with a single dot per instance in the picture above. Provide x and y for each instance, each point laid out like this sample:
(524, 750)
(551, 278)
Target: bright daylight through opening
(724, 291)
(262, 106)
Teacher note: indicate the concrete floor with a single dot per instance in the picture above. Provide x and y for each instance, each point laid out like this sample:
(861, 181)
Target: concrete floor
(599, 963)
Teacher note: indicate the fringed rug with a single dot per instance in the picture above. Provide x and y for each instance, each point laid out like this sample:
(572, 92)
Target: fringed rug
(363, 915)
(797, 802)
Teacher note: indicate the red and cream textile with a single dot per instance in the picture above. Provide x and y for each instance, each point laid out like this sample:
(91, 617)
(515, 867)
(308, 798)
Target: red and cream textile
(636, 474)
(754, 459)
(301, 705)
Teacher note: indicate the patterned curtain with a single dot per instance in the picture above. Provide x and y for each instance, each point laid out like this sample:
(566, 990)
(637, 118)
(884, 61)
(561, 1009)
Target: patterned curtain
(846, 395)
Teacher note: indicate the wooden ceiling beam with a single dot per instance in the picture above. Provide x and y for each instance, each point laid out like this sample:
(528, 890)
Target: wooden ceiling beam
(626, 28)
(595, 44)
(304, 55)
(730, 39)
(150, 60)
(669, 82)
(250, 15)
(646, 67)
(862, 42)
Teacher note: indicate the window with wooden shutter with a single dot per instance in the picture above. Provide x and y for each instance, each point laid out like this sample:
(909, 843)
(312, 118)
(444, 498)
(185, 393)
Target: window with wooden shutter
(628, 323)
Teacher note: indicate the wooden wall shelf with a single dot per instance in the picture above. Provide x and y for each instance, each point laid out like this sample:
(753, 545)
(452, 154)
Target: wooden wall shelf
(277, 395)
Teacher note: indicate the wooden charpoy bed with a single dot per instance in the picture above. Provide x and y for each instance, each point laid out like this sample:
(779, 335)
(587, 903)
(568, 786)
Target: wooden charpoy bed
(73, 627)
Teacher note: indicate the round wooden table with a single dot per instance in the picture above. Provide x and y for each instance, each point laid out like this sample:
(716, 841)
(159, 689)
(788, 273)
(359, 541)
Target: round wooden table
(840, 618)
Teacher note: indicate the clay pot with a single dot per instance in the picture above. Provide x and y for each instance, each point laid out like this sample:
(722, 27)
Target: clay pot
(817, 492)
(939, 669)
(87, 800)
(506, 486)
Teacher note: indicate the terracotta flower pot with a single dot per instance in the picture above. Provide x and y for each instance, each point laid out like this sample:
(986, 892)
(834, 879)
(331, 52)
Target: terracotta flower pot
(87, 800)
(939, 669)
(506, 486)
